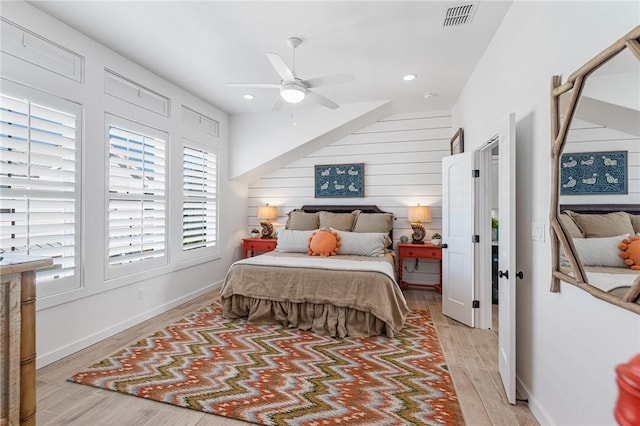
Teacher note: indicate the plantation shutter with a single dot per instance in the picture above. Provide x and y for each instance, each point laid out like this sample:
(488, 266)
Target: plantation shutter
(38, 214)
(137, 207)
(199, 205)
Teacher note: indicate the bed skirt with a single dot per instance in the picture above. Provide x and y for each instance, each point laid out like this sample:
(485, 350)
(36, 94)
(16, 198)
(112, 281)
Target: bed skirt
(325, 319)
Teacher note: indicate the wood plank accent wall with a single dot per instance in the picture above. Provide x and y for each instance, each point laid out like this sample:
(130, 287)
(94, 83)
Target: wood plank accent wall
(402, 156)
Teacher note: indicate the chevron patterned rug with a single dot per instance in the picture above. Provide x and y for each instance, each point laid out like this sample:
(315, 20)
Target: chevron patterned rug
(273, 375)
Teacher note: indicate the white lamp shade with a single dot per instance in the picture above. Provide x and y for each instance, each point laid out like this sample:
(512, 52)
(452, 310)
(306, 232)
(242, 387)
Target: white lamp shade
(267, 212)
(418, 214)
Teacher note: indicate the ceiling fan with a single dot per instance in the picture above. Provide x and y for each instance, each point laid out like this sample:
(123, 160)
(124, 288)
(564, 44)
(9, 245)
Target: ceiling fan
(294, 90)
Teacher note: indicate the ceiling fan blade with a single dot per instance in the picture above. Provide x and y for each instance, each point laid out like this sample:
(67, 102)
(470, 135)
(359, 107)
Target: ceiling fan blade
(255, 85)
(281, 67)
(330, 80)
(322, 100)
(277, 104)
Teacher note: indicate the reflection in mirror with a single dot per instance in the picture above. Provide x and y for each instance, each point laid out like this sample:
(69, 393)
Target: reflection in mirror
(598, 180)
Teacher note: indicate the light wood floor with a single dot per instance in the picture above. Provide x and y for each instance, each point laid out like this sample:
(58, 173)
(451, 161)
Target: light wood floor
(471, 355)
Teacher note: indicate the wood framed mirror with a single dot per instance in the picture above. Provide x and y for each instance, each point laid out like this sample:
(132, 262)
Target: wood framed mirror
(595, 186)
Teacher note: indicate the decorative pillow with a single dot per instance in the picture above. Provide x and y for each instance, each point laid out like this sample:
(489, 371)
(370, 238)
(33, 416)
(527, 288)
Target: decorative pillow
(323, 243)
(603, 225)
(631, 252)
(600, 251)
(362, 243)
(341, 221)
(302, 221)
(373, 222)
(293, 241)
(570, 226)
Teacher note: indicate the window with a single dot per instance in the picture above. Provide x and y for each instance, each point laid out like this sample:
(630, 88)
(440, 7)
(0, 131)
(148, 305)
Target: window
(136, 198)
(39, 148)
(199, 198)
(129, 91)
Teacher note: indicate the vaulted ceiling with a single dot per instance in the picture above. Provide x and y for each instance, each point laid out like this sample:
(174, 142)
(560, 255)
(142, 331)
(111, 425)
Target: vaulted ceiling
(203, 45)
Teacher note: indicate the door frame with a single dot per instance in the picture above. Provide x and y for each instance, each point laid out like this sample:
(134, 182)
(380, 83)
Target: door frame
(483, 227)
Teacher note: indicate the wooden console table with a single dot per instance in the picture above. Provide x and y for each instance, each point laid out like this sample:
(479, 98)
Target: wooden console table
(254, 245)
(419, 251)
(18, 338)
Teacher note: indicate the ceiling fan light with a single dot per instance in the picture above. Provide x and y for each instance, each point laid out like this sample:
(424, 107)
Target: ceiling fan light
(293, 93)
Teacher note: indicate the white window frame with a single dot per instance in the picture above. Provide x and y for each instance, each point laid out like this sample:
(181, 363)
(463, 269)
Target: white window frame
(118, 271)
(213, 249)
(72, 282)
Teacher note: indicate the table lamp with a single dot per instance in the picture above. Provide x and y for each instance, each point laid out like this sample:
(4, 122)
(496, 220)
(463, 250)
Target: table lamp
(417, 215)
(265, 214)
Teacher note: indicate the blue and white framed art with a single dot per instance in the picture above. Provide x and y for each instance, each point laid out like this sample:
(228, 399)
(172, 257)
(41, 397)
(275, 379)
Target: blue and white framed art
(593, 173)
(339, 180)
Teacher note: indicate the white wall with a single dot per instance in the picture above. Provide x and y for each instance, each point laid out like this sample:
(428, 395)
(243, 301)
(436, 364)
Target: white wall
(568, 343)
(402, 156)
(265, 141)
(100, 307)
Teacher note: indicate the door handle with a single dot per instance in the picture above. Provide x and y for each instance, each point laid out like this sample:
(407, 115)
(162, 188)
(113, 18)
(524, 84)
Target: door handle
(444, 245)
(504, 274)
(520, 275)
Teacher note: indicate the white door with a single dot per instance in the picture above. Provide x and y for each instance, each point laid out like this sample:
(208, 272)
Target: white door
(507, 258)
(457, 230)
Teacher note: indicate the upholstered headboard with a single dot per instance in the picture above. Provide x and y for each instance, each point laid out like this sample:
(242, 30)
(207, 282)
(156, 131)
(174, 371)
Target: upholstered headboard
(601, 208)
(341, 209)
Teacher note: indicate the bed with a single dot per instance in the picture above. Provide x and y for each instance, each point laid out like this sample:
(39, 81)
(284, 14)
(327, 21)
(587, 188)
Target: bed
(353, 293)
(597, 231)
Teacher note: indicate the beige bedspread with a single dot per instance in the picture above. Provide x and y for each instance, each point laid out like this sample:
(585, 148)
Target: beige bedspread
(615, 281)
(331, 302)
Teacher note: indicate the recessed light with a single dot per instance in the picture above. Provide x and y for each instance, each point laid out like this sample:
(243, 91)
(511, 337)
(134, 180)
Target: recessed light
(428, 95)
(409, 77)
(248, 96)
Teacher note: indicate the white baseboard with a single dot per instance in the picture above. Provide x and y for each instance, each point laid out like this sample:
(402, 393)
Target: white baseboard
(536, 409)
(71, 348)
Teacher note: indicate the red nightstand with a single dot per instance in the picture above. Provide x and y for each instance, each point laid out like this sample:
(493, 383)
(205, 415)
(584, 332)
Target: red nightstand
(419, 251)
(257, 244)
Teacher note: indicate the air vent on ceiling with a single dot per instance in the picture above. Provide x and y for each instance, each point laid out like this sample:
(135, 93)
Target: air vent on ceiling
(459, 14)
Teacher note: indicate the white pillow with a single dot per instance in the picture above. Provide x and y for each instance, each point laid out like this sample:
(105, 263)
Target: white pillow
(361, 243)
(293, 241)
(600, 251)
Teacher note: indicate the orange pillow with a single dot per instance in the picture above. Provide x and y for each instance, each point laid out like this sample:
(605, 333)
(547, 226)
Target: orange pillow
(323, 243)
(631, 252)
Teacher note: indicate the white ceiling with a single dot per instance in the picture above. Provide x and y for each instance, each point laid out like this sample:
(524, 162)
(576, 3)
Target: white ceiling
(202, 45)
